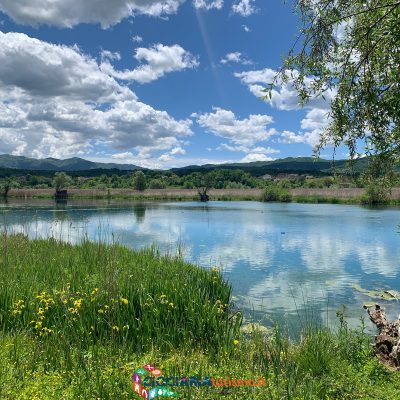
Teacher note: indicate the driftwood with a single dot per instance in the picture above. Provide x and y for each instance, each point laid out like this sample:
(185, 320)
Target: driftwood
(387, 342)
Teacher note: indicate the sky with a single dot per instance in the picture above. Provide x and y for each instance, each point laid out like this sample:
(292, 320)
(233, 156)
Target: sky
(155, 83)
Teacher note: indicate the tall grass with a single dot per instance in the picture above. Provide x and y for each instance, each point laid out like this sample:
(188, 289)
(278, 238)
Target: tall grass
(97, 293)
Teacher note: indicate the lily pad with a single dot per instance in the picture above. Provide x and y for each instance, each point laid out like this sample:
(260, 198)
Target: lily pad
(378, 294)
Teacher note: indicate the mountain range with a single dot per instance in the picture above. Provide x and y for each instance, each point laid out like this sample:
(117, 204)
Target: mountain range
(284, 165)
(53, 164)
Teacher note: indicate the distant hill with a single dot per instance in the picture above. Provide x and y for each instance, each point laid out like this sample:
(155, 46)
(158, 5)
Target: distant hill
(53, 164)
(78, 166)
(299, 165)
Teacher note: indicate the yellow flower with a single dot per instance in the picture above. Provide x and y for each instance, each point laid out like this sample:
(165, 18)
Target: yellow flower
(125, 327)
(101, 311)
(236, 342)
(115, 328)
(124, 301)
(78, 303)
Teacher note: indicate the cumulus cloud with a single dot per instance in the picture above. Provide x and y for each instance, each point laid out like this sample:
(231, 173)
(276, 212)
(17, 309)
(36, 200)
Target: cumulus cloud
(177, 150)
(258, 153)
(244, 8)
(310, 138)
(284, 97)
(247, 132)
(68, 13)
(208, 4)
(159, 60)
(253, 157)
(235, 57)
(56, 101)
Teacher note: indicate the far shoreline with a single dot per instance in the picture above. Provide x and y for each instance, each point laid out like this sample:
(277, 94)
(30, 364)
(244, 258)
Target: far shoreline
(299, 195)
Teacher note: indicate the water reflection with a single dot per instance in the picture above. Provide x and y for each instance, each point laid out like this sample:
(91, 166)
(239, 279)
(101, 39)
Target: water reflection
(283, 260)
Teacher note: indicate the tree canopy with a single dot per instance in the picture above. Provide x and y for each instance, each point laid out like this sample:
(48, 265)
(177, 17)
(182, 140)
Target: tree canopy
(351, 47)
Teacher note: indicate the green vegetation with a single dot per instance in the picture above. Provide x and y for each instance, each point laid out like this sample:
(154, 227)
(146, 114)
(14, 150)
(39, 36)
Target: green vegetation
(277, 187)
(75, 321)
(60, 180)
(5, 187)
(350, 48)
(139, 181)
(276, 193)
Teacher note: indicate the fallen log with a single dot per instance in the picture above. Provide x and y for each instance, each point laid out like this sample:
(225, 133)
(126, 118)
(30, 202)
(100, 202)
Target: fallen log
(387, 342)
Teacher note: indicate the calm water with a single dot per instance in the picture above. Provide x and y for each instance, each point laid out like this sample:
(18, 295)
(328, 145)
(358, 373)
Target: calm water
(282, 259)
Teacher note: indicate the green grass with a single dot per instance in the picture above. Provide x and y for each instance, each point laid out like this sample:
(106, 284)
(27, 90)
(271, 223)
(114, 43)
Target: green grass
(75, 321)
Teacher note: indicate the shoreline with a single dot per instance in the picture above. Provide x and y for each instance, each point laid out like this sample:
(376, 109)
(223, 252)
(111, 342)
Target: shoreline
(299, 195)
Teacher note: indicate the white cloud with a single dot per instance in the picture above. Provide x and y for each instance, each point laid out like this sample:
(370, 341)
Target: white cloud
(310, 138)
(253, 157)
(246, 28)
(68, 13)
(56, 101)
(245, 132)
(159, 59)
(123, 156)
(264, 150)
(109, 55)
(165, 158)
(316, 119)
(284, 95)
(177, 150)
(235, 57)
(208, 4)
(247, 149)
(244, 7)
(137, 39)
(313, 125)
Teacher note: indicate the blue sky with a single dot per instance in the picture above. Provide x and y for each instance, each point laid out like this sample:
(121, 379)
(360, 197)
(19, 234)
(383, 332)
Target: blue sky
(157, 83)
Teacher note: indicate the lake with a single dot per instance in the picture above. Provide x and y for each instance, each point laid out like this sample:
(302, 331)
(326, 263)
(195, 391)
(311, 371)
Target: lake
(286, 262)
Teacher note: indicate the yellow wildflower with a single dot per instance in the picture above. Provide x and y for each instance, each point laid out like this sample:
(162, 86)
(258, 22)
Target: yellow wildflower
(124, 301)
(78, 303)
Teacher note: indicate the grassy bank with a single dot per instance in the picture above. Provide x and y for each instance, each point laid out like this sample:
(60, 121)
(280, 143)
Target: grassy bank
(299, 195)
(174, 194)
(75, 321)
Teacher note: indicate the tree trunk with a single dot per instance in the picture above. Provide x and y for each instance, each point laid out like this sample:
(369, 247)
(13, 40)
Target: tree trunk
(387, 342)
(203, 194)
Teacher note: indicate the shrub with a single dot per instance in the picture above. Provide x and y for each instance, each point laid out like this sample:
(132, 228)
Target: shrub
(274, 193)
(376, 193)
(157, 184)
(140, 181)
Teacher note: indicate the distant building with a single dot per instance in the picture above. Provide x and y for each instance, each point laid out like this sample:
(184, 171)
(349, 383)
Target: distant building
(266, 177)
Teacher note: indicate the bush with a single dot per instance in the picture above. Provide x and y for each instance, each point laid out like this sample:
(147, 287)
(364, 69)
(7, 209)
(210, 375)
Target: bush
(274, 193)
(139, 181)
(157, 184)
(375, 194)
